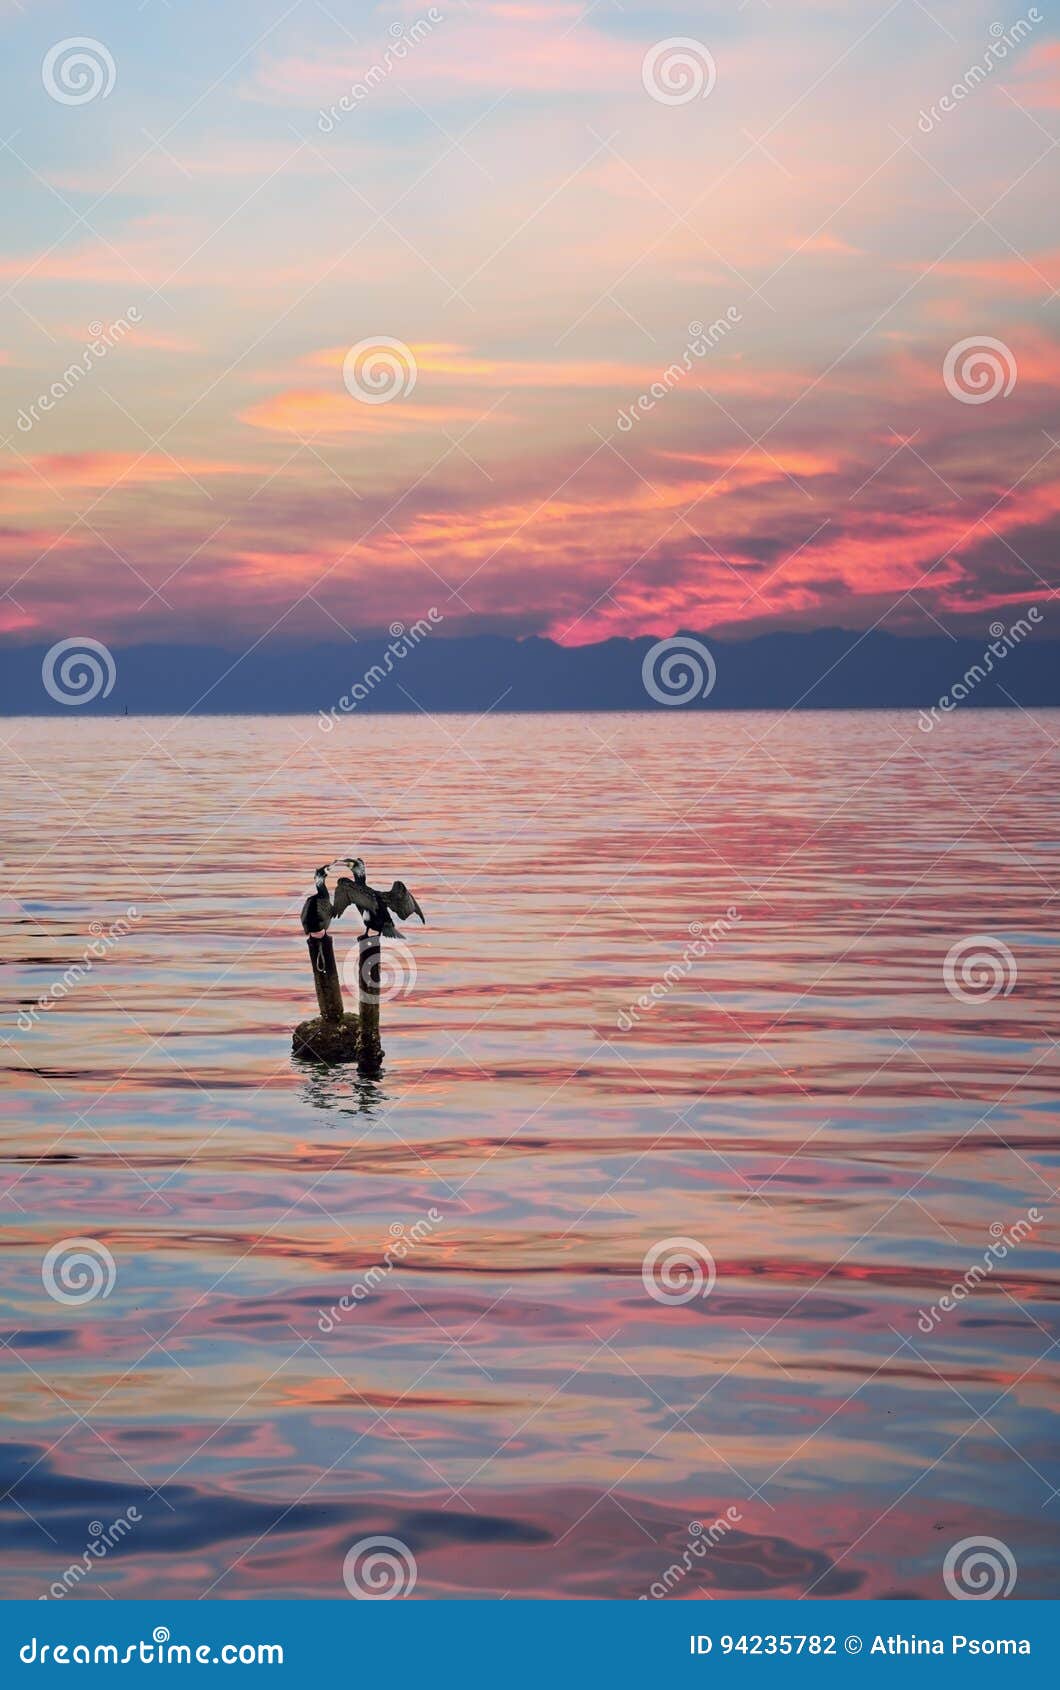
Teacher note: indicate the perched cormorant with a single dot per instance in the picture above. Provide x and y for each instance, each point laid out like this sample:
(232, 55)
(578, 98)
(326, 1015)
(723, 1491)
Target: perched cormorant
(375, 906)
(321, 909)
(318, 910)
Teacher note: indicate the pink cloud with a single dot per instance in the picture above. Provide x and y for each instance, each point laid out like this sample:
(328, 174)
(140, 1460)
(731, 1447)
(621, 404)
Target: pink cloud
(1037, 78)
(521, 48)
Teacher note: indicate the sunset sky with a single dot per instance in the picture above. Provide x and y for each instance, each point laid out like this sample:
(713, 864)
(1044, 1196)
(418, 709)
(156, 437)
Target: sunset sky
(510, 199)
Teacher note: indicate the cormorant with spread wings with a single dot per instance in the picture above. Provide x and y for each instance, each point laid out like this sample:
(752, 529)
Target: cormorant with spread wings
(321, 908)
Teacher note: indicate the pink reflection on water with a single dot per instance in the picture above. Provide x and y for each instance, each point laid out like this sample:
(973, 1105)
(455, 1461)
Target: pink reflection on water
(807, 1100)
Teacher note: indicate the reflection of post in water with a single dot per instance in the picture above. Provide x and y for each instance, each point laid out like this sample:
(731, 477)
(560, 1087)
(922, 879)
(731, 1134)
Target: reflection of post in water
(343, 1090)
(335, 1036)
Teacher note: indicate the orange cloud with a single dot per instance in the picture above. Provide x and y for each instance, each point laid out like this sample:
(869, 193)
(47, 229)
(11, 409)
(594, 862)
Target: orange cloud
(311, 413)
(460, 367)
(757, 465)
(107, 469)
(286, 570)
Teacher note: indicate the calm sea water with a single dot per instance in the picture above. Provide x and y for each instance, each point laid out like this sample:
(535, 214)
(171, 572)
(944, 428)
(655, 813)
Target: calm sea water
(838, 1136)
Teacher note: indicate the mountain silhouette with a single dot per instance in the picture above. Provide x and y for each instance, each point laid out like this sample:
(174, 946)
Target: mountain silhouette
(829, 668)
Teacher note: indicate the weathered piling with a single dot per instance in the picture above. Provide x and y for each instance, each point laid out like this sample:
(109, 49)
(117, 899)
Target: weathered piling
(333, 1036)
(370, 1054)
(326, 978)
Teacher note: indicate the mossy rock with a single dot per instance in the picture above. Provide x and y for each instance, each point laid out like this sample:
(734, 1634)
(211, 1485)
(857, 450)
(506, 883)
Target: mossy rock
(327, 1041)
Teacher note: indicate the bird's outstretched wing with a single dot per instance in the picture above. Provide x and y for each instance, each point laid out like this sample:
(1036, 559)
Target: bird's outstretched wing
(402, 902)
(348, 892)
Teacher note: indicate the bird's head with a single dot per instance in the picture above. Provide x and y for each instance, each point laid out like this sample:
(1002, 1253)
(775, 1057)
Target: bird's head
(355, 866)
(320, 877)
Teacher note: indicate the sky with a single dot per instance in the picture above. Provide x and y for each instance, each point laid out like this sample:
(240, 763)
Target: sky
(567, 319)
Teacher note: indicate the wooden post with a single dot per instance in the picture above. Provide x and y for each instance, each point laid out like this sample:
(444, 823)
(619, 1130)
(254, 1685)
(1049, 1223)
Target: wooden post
(370, 1054)
(333, 1035)
(326, 978)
